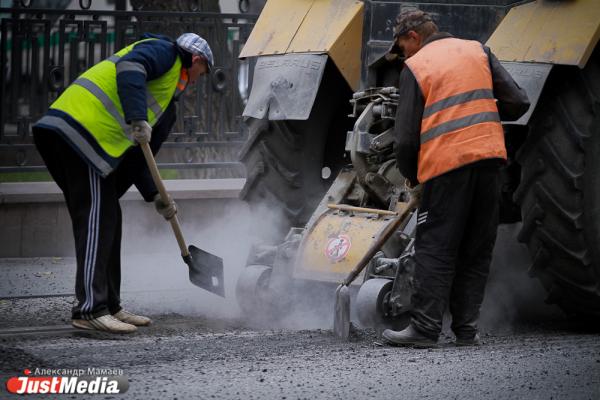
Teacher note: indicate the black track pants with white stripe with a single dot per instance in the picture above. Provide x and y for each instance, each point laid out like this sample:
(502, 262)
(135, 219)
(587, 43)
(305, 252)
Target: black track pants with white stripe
(93, 204)
(456, 232)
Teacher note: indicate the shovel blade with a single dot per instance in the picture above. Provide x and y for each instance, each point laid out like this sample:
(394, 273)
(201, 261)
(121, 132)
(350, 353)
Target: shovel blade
(206, 270)
(341, 318)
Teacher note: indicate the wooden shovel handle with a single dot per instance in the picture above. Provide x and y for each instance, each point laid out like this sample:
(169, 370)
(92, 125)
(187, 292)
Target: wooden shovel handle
(385, 235)
(164, 197)
(345, 207)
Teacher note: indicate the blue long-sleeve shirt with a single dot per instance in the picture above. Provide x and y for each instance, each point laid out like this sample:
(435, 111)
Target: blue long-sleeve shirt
(146, 61)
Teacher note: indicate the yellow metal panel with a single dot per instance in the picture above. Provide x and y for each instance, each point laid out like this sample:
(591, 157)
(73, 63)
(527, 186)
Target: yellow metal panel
(335, 27)
(555, 32)
(276, 27)
(346, 51)
(335, 245)
(311, 26)
(324, 23)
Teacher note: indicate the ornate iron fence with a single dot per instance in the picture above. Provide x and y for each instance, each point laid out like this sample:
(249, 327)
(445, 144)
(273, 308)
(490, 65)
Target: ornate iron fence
(42, 51)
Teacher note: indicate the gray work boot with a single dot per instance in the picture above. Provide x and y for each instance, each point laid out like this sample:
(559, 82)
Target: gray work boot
(468, 341)
(106, 323)
(408, 337)
(133, 319)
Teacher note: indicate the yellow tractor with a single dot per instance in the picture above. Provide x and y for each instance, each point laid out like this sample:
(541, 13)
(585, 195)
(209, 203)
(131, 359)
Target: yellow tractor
(320, 118)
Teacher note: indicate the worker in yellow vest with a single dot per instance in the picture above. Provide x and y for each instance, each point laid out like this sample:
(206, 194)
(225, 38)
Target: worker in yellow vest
(88, 140)
(449, 145)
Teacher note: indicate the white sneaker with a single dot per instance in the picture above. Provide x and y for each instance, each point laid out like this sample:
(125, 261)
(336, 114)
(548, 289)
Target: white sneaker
(133, 319)
(106, 323)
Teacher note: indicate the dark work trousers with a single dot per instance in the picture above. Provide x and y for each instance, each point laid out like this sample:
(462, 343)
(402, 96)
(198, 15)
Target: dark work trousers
(456, 232)
(93, 204)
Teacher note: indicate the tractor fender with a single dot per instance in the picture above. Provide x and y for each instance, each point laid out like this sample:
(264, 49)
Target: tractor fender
(549, 32)
(332, 27)
(535, 36)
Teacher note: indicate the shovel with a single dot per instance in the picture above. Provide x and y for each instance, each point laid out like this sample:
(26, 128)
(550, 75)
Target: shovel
(206, 270)
(341, 318)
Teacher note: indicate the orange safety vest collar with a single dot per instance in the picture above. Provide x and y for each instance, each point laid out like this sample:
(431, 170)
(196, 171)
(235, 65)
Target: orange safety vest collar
(182, 83)
(460, 123)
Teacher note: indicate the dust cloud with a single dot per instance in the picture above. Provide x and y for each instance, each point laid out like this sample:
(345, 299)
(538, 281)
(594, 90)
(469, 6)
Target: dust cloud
(512, 297)
(155, 279)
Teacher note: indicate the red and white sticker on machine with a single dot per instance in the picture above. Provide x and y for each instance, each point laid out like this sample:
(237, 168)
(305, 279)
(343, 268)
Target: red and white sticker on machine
(338, 247)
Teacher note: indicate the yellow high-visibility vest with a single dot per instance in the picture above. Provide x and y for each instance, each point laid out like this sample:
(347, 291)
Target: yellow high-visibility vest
(93, 102)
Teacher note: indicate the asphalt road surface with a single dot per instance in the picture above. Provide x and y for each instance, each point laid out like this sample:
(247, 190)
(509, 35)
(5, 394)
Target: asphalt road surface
(201, 347)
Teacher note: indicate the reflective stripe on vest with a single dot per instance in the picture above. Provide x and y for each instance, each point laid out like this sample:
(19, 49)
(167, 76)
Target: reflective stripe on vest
(460, 122)
(79, 142)
(104, 99)
(151, 102)
(92, 101)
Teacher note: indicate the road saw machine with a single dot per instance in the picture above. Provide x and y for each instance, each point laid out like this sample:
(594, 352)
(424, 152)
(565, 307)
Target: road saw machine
(365, 201)
(334, 178)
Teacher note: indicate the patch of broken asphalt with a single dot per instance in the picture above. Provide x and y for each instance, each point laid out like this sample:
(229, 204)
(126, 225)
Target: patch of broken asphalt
(193, 357)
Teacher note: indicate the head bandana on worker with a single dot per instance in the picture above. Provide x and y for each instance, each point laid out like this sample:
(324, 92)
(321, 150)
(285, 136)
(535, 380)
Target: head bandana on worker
(449, 144)
(88, 141)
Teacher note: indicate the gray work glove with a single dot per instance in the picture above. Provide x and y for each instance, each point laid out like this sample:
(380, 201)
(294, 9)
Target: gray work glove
(141, 131)
(168, 210)
(415, 192)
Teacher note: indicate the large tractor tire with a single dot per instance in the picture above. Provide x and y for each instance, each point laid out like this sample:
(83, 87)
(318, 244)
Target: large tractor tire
(559, 193)
(284, 159)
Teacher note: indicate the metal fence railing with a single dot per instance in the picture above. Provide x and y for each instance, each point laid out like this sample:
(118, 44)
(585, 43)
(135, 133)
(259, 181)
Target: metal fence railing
(43, 50)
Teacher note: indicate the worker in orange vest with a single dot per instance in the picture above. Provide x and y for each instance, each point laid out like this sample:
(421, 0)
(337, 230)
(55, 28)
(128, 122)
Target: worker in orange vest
(449, 145)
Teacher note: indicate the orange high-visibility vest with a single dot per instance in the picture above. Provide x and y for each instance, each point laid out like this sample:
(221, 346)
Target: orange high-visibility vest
(460, 123)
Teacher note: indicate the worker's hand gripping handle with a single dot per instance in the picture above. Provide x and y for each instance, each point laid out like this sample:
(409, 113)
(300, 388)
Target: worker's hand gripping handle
(164, 197)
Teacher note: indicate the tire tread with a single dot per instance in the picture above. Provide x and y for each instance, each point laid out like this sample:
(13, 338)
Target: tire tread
(553, 187)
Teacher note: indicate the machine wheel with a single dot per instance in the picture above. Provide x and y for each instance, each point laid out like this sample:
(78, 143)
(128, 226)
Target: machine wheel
(370, 304)
(559, 193)
(284, 159)
(252, 289)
